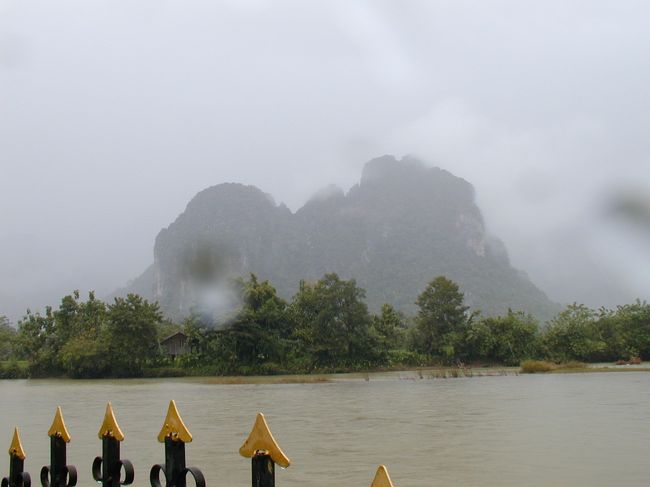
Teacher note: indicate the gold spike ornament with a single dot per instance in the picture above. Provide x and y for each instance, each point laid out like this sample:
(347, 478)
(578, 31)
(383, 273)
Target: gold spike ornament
(260, 440)
(16, 447)
(109, 427)
(382, 478)
(173, 427)
(58, 427)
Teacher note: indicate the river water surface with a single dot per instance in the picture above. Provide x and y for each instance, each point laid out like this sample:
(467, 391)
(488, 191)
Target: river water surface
(527, 430)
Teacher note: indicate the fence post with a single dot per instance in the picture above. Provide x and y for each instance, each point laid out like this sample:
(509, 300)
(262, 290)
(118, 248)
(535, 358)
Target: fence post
(174, 434)
(264, 452)
(107, 469)
(17, 476)
(58, 473)
(382, 479)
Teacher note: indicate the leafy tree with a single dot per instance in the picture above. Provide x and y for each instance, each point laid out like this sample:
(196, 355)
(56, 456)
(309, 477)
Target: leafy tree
(261, 328)
(43, 338)
(633, 324)
(611, 331)
(209, 347)
(75, 317)
(7, 338)
(573, 335)
(505, 339)
(333, 321)
(195, 330)
(36, 342)
(442, 320)
(389, 327)
(84, 356)
(46, 341)
(132, 334)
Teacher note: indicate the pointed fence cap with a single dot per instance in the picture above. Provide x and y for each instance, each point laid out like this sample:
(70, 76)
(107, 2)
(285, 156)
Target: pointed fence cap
(382, 478)
(260, 439)
(109, 427)
(16, 447)
(58, 427)
(173, 427)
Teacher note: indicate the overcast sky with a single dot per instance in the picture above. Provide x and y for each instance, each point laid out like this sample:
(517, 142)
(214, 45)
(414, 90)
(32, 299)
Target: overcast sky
(113, 114)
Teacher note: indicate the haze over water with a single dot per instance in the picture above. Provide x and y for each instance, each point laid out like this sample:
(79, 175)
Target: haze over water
(559, 430)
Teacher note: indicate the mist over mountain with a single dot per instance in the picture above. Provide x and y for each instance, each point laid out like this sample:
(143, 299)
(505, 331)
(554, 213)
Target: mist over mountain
(401, 226)
(105, 141)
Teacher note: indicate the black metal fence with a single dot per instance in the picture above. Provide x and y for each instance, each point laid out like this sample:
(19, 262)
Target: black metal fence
(110, 470)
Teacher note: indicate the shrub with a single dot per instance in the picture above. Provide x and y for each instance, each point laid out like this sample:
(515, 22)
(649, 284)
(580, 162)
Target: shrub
(12, 370)
(535, 366)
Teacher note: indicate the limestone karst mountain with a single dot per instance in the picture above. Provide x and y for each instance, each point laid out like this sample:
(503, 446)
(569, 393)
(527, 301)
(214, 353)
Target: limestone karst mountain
(400, 227)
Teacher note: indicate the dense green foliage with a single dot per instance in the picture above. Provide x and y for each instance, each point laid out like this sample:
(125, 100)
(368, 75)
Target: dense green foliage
(505, 339)
(7, 338)
(325, 327)
(333, 322)
(89, 338)
(442, 322)
(579, 333)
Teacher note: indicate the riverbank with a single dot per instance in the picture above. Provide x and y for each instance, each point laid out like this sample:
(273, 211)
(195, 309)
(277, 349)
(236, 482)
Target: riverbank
(544, 367)
(414, 373)
(19, 370)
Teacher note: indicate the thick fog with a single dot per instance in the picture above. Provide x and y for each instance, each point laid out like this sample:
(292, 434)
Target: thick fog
(113, 114)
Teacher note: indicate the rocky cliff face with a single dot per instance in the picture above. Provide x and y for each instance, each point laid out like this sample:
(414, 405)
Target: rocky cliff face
(400, 227)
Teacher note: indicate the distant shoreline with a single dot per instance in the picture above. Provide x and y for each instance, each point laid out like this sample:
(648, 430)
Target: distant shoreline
(405, 373)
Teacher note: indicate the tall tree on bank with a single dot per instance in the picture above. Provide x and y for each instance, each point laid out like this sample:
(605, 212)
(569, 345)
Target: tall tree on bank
(634, 320)
(7, 338)
(132, 334)
(37, 343)
(65, 340)
(260, 330)
(79, 329)
(389, 326)
(442, 321)
(333, 321)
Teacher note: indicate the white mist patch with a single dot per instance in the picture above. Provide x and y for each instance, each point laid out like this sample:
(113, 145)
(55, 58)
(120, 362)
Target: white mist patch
(218, 300)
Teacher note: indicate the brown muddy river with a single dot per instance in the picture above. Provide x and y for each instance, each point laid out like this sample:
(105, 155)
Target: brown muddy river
(541, 430)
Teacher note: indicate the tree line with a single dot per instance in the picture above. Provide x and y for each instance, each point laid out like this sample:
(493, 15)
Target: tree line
(325, 327)
(86, 338)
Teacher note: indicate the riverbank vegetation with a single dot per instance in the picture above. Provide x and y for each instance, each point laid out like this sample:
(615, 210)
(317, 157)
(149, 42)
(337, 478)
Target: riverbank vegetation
(325, 328)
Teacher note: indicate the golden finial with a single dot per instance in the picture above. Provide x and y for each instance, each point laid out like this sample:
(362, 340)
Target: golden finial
(58, 427)
(173, 427)
(109, 427)
(260, 439)
(16, 448)
(381, 478)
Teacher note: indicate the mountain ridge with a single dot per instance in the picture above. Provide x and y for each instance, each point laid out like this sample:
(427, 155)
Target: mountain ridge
(402, 225)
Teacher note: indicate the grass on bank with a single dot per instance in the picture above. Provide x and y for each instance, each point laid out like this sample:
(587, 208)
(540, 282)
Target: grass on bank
(542, 366)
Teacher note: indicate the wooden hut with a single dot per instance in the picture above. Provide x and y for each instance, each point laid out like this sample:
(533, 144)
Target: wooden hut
(175, 344)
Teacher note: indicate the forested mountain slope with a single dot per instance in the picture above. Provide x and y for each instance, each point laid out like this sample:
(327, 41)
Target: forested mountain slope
(401, 226)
